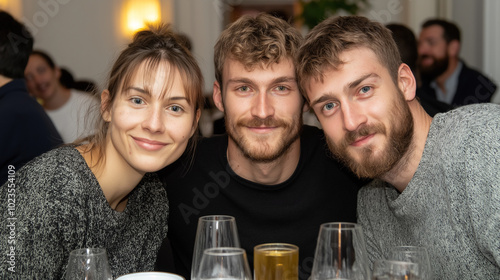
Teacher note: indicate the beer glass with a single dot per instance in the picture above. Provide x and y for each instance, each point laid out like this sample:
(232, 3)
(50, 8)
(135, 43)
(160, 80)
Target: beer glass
(276, 261)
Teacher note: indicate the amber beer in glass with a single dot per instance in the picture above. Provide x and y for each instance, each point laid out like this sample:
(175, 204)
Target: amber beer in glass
(276, 261)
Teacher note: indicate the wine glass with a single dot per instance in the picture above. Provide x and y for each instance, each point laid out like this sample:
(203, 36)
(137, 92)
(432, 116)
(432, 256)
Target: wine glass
(87, 264)
(276, 261)
(413, 254)
(340, 253)
(213, 231)
(395, 270)
(224, 263)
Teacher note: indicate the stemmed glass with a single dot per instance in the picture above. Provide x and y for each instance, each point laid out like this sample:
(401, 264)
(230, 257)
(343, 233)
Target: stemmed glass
(340, 253)
(395, 270)
(213, 231)
(87, 264)
(413, 254)
(224, 263)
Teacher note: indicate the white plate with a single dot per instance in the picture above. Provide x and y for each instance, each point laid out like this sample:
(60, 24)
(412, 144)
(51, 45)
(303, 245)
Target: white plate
(150, 276)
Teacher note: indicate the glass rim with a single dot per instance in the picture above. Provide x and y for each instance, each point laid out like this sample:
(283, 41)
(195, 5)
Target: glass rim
(88, 251)
(276, 247)
(340, 225)
(226, 251)
(221, 218)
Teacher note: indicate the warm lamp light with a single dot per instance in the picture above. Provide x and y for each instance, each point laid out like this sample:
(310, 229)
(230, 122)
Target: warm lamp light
(13, 7)
(141, 12)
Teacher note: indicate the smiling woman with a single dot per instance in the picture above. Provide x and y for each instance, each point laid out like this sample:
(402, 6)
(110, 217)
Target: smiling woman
(101, 192)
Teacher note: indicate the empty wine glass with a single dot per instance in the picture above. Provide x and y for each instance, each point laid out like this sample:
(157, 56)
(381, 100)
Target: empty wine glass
(340, 253)
(413, 254)
(213, 232)
(224, 263)
(395, 270)
(87, 264)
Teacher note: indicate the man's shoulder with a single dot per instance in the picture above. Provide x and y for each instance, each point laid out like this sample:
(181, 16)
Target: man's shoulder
(473, 114)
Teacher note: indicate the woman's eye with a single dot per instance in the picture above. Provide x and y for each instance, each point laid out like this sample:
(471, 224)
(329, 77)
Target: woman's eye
(281, 88)
(176, 108)
(137, 101)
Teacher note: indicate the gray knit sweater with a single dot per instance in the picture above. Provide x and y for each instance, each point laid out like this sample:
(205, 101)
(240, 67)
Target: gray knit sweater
(451, 205)
(59, 206)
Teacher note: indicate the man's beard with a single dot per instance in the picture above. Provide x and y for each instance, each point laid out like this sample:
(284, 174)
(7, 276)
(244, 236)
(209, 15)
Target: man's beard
(434, 70)
(397, 145)
(259, 150)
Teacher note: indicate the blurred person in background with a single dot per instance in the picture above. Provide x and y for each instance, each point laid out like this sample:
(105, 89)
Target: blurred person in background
(70, 109)
(445, 76)
(26, 130)
(407, 45)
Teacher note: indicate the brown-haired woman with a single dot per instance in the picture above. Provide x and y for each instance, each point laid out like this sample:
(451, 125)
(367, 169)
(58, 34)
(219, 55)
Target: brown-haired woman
(101, 192)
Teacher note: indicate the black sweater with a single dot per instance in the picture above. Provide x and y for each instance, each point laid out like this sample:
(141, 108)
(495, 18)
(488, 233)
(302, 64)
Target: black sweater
(319, 191)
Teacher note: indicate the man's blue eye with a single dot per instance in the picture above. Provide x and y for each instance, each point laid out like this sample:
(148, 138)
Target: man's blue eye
(365, 89)
(329, 106)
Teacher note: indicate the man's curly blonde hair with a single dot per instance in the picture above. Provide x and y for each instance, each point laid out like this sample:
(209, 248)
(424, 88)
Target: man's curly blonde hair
(256, 42)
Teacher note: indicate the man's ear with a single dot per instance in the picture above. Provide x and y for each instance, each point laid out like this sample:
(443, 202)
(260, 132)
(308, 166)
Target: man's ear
(305, 107)
(217, 96)
(58, 72)
(105, 106)
(406, 82)
(454, 48)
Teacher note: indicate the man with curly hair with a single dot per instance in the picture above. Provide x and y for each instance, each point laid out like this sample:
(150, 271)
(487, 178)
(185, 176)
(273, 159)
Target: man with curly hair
(271, 172)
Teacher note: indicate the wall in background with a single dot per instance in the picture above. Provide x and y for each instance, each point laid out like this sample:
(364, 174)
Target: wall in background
(83, 36)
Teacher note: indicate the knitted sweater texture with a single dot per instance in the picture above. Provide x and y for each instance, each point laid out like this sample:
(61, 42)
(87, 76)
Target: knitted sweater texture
(451, 205)
(58, 206)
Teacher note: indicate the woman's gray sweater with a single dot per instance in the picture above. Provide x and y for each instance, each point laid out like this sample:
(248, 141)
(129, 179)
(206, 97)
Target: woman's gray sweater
(54, 204)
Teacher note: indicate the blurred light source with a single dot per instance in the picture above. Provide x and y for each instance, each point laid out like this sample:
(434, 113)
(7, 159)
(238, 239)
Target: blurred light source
(12, 7)
(141, 12)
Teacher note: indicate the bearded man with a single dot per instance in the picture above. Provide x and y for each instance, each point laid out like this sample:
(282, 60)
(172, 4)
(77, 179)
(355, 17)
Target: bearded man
(445, 76)
(437, 180)
(270, 172)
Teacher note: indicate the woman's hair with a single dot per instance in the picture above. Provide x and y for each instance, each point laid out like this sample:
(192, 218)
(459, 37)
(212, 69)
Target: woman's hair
(45, 56)
(326, 42)
(256, 42)
(151, 49)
